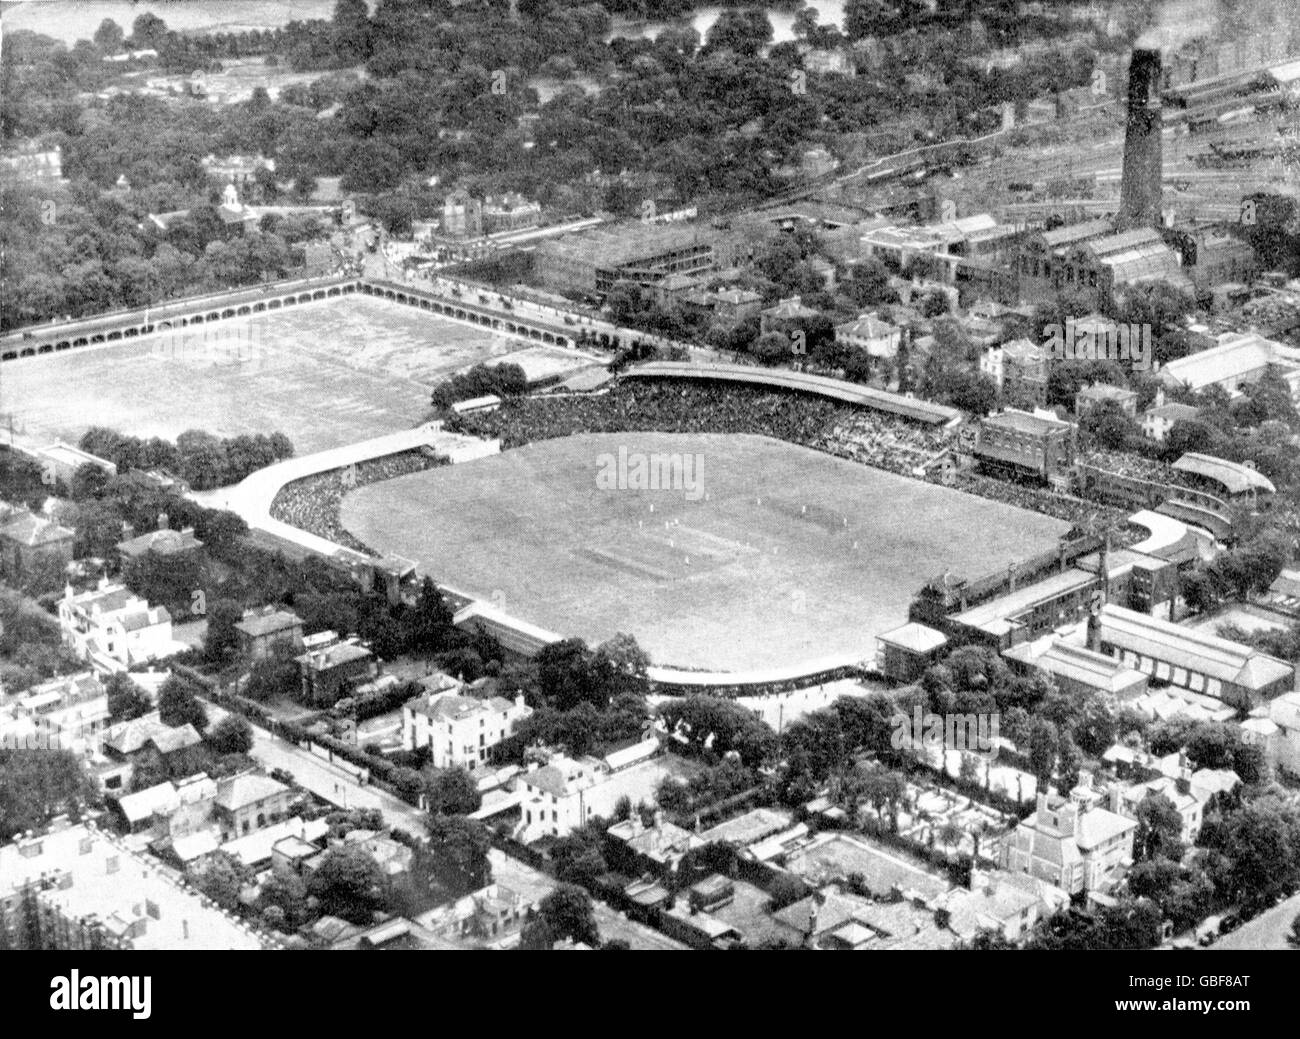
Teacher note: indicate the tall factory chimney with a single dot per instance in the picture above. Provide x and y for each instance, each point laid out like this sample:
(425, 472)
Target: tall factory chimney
(1140, 188)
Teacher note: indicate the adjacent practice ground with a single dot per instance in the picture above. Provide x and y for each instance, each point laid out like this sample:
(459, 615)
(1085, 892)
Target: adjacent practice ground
(326, 374)
(787, 555)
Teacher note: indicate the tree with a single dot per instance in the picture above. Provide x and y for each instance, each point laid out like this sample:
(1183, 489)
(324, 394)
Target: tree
(126, 700)
(221, 877)
(867, 284)
(564, 913)
(1293, 939)
(458, 849)
(352, 31)
(1160, 829)
(744, 32)
(286, 891)
(1263, 838)
(773, 348)
(222, 638)
(177, 705)
(1044, 743)
(148, 31)
(349, 884)
(578, 858)
(231, 735)
(109, 37)
(430, 621)
(885, 789)
(37, 784)
(1108, 426)
(451, 791)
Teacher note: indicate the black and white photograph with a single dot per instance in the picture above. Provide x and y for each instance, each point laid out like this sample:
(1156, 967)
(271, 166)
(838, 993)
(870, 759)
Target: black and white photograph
(650, 475)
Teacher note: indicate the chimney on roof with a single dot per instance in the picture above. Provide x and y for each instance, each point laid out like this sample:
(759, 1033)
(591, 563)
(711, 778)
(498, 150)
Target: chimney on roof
(1140, 183)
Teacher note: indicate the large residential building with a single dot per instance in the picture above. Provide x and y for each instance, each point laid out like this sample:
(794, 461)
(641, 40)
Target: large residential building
(30, 543)
(460, 730)
(161, 543)
(1071, 846)
(113, 628)
(68, 713)
(1237, 674)
(566, 793)
(1100, 393)
(78, 887)
(1020, 369)
(330, 671)
(262, 633)
(1161, 417)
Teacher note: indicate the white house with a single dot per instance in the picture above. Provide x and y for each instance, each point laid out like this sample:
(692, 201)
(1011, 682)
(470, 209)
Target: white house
(877, 337)
(459, 730)
(113, 628)
(68, 713)
(567, 793)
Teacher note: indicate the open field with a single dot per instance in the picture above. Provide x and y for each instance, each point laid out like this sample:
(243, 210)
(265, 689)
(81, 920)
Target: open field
(326, 374)
(786, 555)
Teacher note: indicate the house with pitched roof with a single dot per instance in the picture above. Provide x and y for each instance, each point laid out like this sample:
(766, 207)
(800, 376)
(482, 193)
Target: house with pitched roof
(250, 802)
(870, 333)
(262, 633)
(30, 542)
(163, 542)
(112, 627)
(460, 730)
(1009, 903)
(1073, 847)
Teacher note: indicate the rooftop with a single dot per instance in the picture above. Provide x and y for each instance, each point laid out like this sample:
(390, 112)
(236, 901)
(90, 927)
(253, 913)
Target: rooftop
(163, 542)
(865, 396)
(33, 531)
(915, 637)
(1195, 650)
(1234, 356)
(267, 622)
(1025, 422)
(131, 897)
(241, 791)
(1234, 476)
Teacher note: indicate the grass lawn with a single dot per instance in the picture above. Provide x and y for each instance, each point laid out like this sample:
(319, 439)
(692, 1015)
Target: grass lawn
(326, 374)
(785, 553)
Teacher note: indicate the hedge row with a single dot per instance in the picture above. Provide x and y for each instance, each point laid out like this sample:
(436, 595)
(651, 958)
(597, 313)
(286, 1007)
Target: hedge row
(399, 781)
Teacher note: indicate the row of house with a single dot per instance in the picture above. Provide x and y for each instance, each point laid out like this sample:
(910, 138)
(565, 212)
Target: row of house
(79, 887)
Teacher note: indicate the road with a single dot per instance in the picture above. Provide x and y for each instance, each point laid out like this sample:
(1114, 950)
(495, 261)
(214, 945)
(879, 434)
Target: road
(325, 780)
